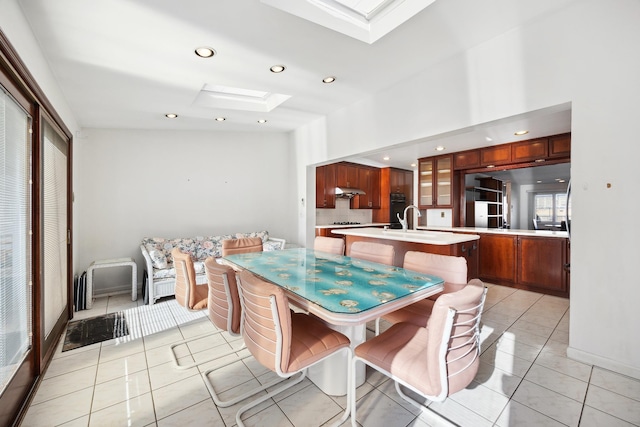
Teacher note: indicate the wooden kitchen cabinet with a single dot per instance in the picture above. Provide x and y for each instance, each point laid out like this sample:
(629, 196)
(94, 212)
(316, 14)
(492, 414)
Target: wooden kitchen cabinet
(436, 182)
(369, 182)
(497, 260)
(560, 146)
(530, 151)
(541, 264)
(496, 155)
(535, 263)
(466, 159)
(347, 175)
(326, 186)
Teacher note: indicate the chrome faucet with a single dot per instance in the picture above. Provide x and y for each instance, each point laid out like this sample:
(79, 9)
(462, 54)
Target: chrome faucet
(403, 221)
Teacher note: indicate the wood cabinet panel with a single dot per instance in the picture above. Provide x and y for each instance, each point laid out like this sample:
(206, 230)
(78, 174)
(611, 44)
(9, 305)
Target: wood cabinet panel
(497, 259)
(541, 263)
(498, 155)
(526, 151)
(326, 186)
(466, 159)
(347, 175)
(560, 146)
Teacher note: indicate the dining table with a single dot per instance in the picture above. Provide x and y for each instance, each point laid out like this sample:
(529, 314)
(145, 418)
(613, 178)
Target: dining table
(342, 291)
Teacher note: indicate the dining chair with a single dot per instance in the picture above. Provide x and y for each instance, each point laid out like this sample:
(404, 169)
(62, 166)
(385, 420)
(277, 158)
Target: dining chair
(434, 361)
(331, 245)
(283, 341)
(241, 245)
(225, 313)
(371, 251)
(452, 269)
(188, 293)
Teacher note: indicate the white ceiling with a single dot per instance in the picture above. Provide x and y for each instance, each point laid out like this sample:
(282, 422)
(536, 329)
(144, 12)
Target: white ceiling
(124, 64)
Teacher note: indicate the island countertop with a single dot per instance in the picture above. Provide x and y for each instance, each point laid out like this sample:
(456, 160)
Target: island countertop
(417, 236)
(503, 231)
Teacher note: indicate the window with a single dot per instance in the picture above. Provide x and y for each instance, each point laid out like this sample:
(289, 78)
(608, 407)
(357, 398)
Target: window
(550, 208)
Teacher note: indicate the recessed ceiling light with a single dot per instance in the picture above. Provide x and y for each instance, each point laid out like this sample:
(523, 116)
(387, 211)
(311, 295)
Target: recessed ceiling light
(439, 148)
(385, 158)
(205, 52)
(413, 165)
(171, 116)
(538, 182)
(329, 79)
(262, 121)
(278, 68)
(220, 119)
(488, 138)
(521, 132)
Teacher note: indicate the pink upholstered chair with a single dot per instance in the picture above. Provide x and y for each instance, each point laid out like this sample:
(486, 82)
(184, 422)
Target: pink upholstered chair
(285, 342)
(370, 251)
(241, 245)
(434, 361)
(188, 293)
(450, 268)
(331, 245)
(225, 313)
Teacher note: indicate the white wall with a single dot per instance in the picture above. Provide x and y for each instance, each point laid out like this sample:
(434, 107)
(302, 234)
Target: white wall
(582, 54)
(131, 184)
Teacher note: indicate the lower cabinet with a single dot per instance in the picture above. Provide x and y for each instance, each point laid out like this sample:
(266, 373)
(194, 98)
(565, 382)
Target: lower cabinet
(539, 264)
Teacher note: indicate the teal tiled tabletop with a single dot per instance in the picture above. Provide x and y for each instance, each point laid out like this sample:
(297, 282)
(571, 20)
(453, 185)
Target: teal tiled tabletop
(346, 289)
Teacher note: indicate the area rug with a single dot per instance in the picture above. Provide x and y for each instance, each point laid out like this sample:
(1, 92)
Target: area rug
(94, 330)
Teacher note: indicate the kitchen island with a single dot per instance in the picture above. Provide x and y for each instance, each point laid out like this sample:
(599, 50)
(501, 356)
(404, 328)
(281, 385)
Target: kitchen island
(436, 242)
(536, 260)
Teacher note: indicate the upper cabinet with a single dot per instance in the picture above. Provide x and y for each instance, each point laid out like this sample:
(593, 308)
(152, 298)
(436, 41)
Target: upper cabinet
(554, 148)
(560, 145)
(369, 182)
(326, 186)
(534, 150)
(436, 182)
(348, 175)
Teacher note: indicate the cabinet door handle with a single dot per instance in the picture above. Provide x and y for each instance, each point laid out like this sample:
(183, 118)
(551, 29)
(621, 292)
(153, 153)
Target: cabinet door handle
(463, 249)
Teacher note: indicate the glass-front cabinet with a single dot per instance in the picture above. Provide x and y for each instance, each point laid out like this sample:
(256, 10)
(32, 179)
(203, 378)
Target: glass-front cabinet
(436, 182)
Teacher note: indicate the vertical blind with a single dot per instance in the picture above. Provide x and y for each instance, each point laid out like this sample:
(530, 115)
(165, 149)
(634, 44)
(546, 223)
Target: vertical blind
(54, 188)
(15, 237)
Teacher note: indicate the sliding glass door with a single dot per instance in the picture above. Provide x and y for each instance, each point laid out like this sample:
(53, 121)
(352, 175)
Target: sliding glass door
(54, 220)
(16, 312)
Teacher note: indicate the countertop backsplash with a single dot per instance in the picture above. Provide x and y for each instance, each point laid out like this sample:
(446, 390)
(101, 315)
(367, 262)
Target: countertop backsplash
(342, 213)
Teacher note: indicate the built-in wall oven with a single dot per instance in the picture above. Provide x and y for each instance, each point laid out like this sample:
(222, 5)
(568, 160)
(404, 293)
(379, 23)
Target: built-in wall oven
(397, 205)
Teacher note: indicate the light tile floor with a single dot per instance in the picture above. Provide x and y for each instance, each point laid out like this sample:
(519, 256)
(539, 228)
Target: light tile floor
(525, 378)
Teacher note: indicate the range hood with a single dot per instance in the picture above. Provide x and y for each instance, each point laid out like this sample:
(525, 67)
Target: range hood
(348, 193)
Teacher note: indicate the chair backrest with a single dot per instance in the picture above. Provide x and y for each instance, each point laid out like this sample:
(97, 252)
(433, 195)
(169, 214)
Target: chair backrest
(186, 291)
(332, 245)
(266, 321)
(241, 245)
(224, 301)
(371, 251)
(453, 346)
(452, 269)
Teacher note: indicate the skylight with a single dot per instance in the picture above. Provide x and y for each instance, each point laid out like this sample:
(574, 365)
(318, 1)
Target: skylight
(216, 96)
(365, 20)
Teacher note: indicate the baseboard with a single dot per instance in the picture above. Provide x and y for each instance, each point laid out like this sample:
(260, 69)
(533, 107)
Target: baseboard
(603, 362)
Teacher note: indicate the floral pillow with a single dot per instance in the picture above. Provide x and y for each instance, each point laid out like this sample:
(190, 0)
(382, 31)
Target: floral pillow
(158, 258)
(264, 235)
